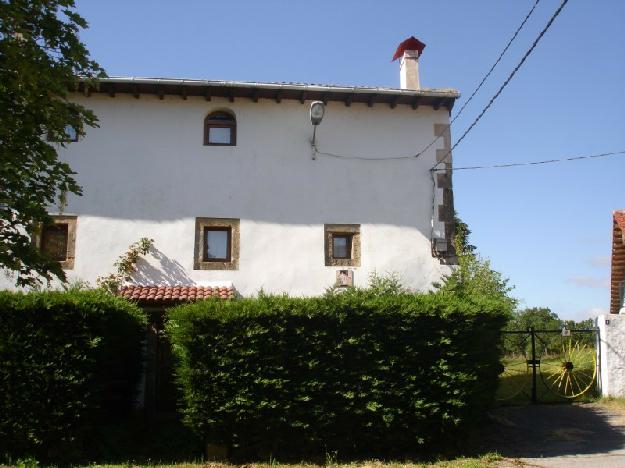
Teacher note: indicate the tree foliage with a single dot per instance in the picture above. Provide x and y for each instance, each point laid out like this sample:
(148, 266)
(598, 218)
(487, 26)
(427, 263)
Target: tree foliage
(41, 59)
(125, 266)
(542, 318)
(473, 276)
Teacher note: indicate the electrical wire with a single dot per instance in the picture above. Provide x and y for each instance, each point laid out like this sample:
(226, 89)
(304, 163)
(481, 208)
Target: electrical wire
(475, 91)
(530, 163)
(505, 83)
(361, 158)
(479, 86)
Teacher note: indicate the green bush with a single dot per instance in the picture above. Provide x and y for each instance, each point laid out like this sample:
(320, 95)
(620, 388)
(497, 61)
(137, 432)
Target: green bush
(355, 373)
(69, 361)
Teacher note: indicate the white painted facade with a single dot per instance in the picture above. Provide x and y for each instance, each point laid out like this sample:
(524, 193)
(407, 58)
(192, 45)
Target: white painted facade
(146, 173)
(611, 357)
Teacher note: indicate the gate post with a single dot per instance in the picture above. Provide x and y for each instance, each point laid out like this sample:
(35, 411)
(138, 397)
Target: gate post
(611, 358)
(533, 335)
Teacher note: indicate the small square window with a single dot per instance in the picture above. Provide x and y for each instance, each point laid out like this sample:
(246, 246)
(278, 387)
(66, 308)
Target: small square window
(217, 242)
(342, 244)
(58, 240)
(54, 241)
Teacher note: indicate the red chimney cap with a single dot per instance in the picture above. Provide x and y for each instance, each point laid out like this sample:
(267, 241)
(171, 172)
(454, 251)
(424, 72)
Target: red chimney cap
(412, 43)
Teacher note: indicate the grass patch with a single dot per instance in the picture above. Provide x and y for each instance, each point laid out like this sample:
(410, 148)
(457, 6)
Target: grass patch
(613, 403)
(515, 384)
(485, 461)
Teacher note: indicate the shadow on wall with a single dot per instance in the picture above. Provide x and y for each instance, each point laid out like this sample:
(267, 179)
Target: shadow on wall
(167, 272)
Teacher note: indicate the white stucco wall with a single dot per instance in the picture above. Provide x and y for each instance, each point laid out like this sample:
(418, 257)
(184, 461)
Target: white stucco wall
(612, 354)
(145, 172)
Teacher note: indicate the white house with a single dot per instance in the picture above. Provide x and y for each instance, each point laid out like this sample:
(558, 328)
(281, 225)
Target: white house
(224, 177)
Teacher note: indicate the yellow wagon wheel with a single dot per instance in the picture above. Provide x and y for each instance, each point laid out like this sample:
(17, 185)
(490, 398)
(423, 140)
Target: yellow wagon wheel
(571, 374)
(513, 378)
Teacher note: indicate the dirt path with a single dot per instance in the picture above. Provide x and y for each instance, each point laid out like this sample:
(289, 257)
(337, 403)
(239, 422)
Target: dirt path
(557, 436)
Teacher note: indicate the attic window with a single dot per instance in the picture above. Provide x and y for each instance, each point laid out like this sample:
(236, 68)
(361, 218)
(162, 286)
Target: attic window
(220, 129)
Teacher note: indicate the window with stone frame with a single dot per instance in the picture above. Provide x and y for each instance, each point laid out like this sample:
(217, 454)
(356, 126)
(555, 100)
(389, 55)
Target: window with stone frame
(57, 240)
(216, 244)
(342, 244)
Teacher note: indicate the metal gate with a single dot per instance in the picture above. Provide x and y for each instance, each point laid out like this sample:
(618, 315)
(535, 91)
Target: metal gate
(548, 365)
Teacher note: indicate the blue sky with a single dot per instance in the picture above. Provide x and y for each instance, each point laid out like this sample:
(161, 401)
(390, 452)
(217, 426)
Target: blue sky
(547, 228)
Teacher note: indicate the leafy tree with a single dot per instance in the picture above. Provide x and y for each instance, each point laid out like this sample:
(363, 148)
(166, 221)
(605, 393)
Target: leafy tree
(473, 276)
(539, 318)
(542, 318)
(41, 59)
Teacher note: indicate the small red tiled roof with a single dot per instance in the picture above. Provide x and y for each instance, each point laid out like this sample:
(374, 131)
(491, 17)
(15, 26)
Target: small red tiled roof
(618, 261)
(155, 294)
(619, 219)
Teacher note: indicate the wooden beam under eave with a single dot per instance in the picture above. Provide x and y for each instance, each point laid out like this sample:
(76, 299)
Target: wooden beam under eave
(255, 95)
(278, 96)
(160, 93)
(183, 93)
(415, 102)
(231, 96)
(112, 91)
(370, 101)
(302, 97)
(348, 100)
(393, 102)
(437, 103)
(207, 94)
(135, 92)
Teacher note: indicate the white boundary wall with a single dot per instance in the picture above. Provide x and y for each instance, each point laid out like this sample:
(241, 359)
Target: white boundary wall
(611, 354)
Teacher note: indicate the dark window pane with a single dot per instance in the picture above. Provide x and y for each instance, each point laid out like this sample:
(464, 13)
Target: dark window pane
(341, 246)
(222, 116)
(219, 135)
(216, 244)
(54, 241)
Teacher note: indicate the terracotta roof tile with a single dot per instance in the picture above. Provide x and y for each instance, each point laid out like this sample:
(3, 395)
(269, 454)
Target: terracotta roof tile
(619, 218)
(618, 261)
(159, 294)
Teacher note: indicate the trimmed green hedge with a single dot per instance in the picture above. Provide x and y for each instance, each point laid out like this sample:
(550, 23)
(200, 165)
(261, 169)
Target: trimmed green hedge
(352, 373)
(69, 361)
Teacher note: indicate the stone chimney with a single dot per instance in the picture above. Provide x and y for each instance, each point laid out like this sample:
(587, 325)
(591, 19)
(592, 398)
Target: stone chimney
(409, 52)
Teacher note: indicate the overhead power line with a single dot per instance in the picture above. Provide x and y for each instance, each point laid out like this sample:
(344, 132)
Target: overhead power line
(486, 76)
(505, 83)
(530, 163)
(492, 68)
(484, 110)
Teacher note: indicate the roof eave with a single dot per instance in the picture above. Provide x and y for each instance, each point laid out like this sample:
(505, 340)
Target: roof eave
(277, 91)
